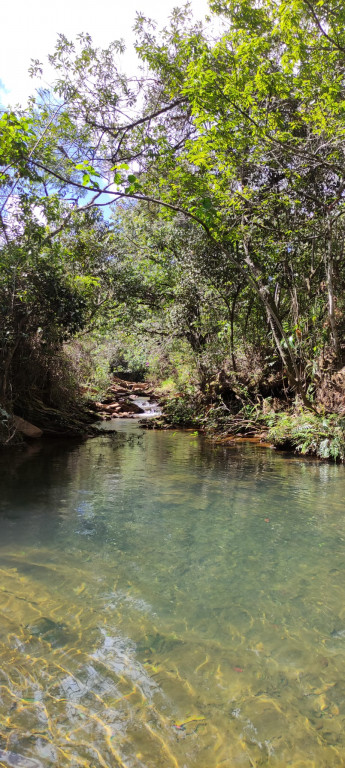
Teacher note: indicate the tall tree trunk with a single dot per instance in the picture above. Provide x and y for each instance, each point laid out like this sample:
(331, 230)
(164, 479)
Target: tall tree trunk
(231, 312)
(282, 343)
(328, 261)
(232, 320)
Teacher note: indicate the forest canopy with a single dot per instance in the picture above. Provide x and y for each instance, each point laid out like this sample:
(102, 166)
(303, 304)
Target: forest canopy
(196, 205)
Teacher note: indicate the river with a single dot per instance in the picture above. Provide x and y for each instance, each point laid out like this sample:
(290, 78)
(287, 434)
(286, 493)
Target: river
(169, 603)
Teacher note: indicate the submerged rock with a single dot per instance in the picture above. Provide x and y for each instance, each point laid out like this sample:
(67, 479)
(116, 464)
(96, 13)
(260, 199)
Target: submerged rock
(54, 633)
(159, 643)
(15, 760)
(339, 633)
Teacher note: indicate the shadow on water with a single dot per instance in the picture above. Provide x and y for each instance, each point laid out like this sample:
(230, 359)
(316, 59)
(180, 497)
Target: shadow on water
(168, 602)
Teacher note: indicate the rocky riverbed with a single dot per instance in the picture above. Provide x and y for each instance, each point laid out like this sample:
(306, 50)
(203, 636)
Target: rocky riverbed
(124, 400)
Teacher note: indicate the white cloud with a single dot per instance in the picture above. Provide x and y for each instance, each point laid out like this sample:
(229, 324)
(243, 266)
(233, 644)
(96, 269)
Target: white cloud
(29, 29)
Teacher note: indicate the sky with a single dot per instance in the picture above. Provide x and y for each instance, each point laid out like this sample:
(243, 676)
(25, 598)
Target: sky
(29, 29)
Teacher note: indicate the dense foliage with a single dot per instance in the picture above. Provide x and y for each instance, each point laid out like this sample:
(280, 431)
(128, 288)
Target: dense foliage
(223, 164)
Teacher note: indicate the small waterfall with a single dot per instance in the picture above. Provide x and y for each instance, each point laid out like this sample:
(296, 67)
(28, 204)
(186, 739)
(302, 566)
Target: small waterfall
(151, 409)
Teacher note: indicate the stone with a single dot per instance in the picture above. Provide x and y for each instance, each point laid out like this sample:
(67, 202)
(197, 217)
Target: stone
(27, 429)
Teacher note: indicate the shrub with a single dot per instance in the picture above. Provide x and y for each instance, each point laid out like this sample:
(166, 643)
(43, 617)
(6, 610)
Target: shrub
(183, 411)
(310, 433)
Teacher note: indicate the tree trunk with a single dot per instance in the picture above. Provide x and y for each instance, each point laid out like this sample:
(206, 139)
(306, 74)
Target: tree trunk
(328, 260)
(282, 343)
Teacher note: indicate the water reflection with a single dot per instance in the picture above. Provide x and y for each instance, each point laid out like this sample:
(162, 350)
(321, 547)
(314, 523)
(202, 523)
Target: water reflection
(166, 602)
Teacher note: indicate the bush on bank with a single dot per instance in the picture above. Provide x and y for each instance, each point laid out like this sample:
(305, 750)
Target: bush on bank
(304, 432)
(309, 433)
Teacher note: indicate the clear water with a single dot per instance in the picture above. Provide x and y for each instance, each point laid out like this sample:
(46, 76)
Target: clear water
(166, 603)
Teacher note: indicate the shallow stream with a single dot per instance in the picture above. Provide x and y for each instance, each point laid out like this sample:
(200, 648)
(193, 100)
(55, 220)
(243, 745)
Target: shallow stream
(168, 603)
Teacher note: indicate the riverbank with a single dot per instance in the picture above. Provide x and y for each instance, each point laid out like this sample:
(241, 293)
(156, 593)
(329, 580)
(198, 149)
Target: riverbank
(268, 423)
(121, 400)
(304, 432)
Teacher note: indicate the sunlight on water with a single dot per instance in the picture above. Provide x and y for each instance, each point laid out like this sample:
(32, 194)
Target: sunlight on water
(166, 603)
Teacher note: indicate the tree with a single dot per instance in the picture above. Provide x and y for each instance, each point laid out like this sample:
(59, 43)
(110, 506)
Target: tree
(242, 135)
(264, 168)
